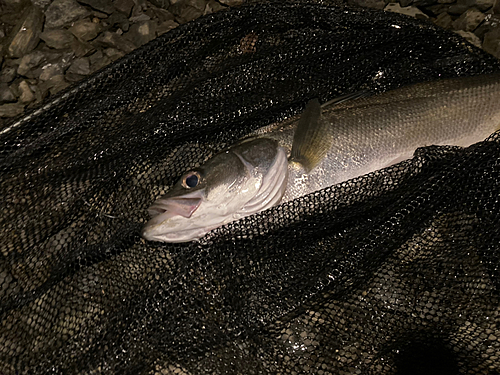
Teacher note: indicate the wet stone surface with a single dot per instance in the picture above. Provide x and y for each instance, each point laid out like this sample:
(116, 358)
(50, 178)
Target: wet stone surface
(469, 20)
(25, 35)
(6, 94)
(57, 39)
(63, 12)
(46, 45)
(86, 29)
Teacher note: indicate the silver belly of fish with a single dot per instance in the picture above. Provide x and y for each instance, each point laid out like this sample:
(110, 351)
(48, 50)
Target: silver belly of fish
(325, 146)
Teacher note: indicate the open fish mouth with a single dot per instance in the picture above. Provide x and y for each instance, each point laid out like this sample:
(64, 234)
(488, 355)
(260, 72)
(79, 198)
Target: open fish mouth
(165, 208)
(170, 207)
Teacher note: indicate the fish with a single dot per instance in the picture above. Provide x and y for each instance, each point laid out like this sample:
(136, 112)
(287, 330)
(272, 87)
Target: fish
(327, 144)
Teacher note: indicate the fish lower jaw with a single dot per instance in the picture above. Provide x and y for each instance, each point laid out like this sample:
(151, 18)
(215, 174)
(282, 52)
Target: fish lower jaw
(177, 236)
(193, 229)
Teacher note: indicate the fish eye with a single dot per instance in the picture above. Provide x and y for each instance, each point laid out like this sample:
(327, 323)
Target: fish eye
(191, 180)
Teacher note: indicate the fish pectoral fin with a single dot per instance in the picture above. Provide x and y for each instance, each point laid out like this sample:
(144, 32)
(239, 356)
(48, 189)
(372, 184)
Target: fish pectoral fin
(312, 138)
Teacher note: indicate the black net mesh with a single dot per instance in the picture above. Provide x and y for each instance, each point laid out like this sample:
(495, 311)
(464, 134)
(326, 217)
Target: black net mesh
(396, 272)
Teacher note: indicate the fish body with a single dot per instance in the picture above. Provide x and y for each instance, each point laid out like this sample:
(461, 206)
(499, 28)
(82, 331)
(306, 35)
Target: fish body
(327, 145)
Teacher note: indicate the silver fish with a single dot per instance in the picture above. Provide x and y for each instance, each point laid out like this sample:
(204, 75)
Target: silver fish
(328, 144)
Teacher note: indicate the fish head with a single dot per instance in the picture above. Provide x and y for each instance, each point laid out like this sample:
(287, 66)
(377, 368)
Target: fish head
(239, 181)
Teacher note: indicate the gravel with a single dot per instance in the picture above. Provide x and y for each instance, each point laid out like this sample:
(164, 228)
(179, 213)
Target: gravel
(46, 45)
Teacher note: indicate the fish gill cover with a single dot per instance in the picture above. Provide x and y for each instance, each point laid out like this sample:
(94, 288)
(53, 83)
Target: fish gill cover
(395, 272)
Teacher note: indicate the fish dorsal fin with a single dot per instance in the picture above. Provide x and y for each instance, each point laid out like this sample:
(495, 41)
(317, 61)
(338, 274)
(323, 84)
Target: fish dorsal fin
(312, 138)
(347, 97)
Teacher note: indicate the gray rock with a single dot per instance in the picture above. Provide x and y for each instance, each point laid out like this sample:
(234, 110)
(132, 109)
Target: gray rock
(59, 86)
(98, 14)
(166, 26)
(33, 73)
(437, 9)
(457, 9)
(99, 61)
(25, 35)
(95, 57)
(8, 74)
(42, 4)
(139, 7)
(200, 4)
(15, 87)
(113, 40)
(162, 15)
(14, 3)
(469, 20)
(232, 3)
(63, 59)
(444, 20)
(149, 12)
(38, 96)
(409, 11)
(423, 3)
(470, 37)
(27, 95)
(73, 77)
(120, 20)
(49, 71)
(176, 7)
(141, 33)
(11, 109)
(58, 38)
(139, 18)
(460, 6)
(80, 66)
(496, 7)
(184, 14)
(483, 5)
(85, 29)
(161, 3)
(491, 42)
(491, 21)
(105, 6)
(82, 48)
(29, 62)
(6, 94)
(374, 4)
(43, 88)
(124, 6)
(56, 64)
(446, 1)
(113, 54)
(63, 12)
(405, 3)
(54, 85)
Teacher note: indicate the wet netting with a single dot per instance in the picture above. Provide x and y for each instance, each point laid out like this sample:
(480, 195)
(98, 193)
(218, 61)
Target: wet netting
(396, 272)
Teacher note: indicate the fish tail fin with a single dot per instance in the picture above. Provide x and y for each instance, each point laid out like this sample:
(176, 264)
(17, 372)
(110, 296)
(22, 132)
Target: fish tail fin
(312, 138)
